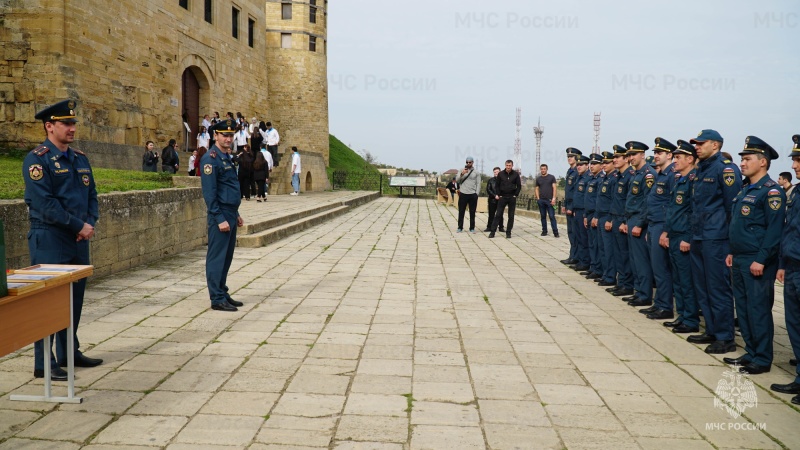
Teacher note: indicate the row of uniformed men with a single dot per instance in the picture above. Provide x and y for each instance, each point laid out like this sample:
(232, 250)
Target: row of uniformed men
(690, 225)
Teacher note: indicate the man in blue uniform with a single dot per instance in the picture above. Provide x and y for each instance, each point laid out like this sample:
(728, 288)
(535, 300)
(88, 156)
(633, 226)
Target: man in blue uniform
(603, 222)
(717, 184)
(622, 262)
(579, 212)
(755, 237)
(677, 237)
(62, 204)
(636, 227)
(223, 197)
(569, 192)
(789, 275)
(657, 202)
(590, 221)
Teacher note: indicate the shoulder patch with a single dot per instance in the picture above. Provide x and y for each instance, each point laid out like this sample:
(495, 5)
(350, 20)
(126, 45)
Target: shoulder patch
(728, 170)
(78, 152)
(212, 153)
(208, 169)
(649, 175)
(40, 150)
(774, 192)
(36, 172)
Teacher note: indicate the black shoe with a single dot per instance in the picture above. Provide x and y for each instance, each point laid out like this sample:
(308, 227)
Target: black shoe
(56, 373)
(721, 347)
(649, 310)
(491, 235)
(701, 339)
(223, 307)
(640, 302)
(508, 235)
(622, 292)
(567, 261)
(544, 233)
(680, 329)
(791, 388)
(586, 272)
(629, 298)
(661, 314)
(580, 268)
(502, 230)
(672, 324)
(792, 362)
(606, 283)
(488, 230)
(796, 400)
(594, 276)
(555, 234)
(82, 360)
(753, 369)
(739, 361)
(234, 302)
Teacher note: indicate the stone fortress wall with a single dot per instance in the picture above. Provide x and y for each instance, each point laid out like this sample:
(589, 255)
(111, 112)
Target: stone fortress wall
(136, 66)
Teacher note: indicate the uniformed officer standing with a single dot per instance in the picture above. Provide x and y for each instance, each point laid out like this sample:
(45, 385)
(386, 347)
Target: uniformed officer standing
(604, 224)
(636, 228)
(223, 197)
(657, 201)
(755, 235)
(62, 209)
(677, 237)
(621, 257)
(579, 212)
(590, 221)
(569, 192)
(717, 184)
(789, 275)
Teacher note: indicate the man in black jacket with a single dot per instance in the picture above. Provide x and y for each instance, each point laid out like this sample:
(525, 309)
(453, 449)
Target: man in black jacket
(491, 194)
(508, 187)
(169, 157)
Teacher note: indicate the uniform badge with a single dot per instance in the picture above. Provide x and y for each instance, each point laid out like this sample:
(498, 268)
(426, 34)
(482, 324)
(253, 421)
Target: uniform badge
(728, 176)
(775, 203)
(58, 166)
(635, 190)
(603, 189)
(35, 171)
(679, 199)
(619, 190)
(591, 188)
(208, 169)
(649, 180)
(773, 192)
(580, 188)
(745, 210)
(85, 180)
(659, 190)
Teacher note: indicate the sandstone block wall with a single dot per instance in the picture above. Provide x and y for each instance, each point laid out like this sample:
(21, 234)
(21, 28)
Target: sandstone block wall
(134, 228)
(313, 178)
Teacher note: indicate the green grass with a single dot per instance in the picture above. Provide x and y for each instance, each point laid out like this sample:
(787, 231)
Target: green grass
(12, 185)
(343, 157)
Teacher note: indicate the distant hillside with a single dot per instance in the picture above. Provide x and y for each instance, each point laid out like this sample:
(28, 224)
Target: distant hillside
(343, 157)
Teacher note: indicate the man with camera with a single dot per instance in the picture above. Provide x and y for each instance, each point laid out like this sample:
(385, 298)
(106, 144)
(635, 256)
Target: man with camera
(469, 182)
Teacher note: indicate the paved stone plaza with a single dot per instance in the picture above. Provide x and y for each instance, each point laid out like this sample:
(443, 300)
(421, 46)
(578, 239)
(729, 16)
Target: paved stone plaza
(385, 329)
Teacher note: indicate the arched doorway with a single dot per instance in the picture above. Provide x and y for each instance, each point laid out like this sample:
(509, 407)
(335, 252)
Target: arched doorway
(308, 182)
(190, 91)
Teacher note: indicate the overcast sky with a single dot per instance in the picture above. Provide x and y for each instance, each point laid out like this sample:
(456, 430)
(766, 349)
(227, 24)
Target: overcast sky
(423, 84)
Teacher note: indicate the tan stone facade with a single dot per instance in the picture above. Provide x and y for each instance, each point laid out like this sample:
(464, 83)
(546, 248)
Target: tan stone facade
(137, 66)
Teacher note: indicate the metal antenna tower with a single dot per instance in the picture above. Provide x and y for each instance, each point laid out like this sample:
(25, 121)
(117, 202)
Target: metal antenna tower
(518, 143)
(538, 130)
(596, 148)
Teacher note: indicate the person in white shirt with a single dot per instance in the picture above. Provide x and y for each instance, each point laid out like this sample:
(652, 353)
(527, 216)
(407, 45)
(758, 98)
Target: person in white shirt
(203, 138)
(296, 171)
(272, 138)
(191, 163)
(268, 157)
(241, 137)
(206, 122)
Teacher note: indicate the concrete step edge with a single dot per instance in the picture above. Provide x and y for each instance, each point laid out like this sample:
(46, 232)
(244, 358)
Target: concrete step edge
(277, 233)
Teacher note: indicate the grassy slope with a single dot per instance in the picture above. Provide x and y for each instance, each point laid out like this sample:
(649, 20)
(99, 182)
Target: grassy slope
(343, 157)
(12, 185)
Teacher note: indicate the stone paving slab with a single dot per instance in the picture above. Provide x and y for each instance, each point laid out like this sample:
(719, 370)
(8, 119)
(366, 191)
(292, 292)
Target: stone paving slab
(385, 329)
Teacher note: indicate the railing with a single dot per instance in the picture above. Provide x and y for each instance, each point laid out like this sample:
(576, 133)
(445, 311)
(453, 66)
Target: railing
(368, 181)
(529, 203)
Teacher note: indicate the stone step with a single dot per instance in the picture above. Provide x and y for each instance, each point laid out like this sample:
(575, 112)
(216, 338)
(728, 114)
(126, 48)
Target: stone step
(279, 232)
(258, 227)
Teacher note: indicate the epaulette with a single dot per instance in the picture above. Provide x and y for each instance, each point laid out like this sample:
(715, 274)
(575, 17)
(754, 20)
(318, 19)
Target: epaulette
(769, 183)
(78, 152)
(212, 153)
(40, 150)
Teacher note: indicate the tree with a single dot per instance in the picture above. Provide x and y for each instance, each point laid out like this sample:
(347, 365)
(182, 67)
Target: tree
(369, 157)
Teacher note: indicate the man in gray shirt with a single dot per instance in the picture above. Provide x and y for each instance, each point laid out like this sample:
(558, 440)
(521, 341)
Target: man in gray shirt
(469, 183)
(546, 189)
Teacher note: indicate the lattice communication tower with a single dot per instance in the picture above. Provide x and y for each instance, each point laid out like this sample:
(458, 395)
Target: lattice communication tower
(518, 143)
(538, 131)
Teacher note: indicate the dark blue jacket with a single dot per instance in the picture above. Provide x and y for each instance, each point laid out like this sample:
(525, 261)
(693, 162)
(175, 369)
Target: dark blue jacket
(569, 189)
(636, 204)
(679, 210)
(757, 218)
(660, 195)
(621, 191)
(605, 195)
(592, 189)
(717, 183)
(220, 186)
(790, 241)
(579, 199)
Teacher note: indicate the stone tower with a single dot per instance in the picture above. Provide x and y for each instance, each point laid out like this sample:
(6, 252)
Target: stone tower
(296, 46)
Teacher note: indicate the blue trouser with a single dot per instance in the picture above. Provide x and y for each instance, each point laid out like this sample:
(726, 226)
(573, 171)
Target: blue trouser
(606, 239)
(791, 305)
(754, 299)
(52, 245)
(621, 256)
(685, 299)
(219, 257)
(660, 266)
(581, 238)
(712, 285)
(573, 247)
(296, 182)
(640, 265)
(545, 210)
(595, 266)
